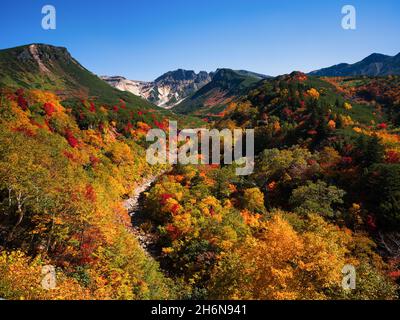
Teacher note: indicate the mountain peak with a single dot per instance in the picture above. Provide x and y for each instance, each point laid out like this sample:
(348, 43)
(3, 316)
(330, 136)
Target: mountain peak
(221, 72)
(42, 54)
(225, 73)
(47, 49)
(52, 68)
(177, 75)
(375, 57)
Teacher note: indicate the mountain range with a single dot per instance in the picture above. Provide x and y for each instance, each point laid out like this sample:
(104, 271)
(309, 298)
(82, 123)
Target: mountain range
(208, 93)
(173, 87)
(374, 65)
(184, 91)
(167, 90)
(226, 85)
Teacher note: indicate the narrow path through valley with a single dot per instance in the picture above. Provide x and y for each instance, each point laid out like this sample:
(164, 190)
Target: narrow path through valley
(145, 236)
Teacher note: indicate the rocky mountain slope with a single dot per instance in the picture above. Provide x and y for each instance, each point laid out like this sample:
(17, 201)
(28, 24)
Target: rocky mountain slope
(167, 90)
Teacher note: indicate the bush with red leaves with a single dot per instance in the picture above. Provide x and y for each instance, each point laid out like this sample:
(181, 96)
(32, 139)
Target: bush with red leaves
(175, 208)
(128, 127)
(90, 193)
(160, 125)
(94, 161)
(49, 108)
(392, 157)
(371, 222)
(395, 274)
(165, 197)
(347, 160)
(92, 107)
(69, 155)
(123, 104)
(172, 231)
(73, 142)
(22, 103)
(27, 132)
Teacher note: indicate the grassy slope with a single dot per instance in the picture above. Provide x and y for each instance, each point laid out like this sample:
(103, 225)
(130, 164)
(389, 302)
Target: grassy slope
(67, 76)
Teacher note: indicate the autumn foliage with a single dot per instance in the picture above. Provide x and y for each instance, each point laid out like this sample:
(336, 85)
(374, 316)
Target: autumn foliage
(324, 193)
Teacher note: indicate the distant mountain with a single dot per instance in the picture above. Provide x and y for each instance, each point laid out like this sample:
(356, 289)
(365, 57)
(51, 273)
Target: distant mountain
(167, 90)
(374, 65)
(46, 67)
(225, 87)
(252, 74)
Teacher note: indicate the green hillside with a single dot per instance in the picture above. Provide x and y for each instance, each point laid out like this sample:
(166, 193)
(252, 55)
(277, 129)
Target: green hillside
(59, 72)
(50, 68)
(226, 86)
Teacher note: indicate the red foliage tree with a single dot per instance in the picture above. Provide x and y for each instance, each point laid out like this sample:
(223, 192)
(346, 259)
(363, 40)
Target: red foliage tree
(123, 104)
(69, 155)
(94, 161)
(92, 107)
(165, 197)
(392, 157)
(73, 142)
(49, 108)
(90, 193)
(172, 231)
(22, 103)
(27, 132)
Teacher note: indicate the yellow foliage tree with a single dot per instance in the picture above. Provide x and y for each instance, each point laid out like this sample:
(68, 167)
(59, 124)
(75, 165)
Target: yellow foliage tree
(313, 93)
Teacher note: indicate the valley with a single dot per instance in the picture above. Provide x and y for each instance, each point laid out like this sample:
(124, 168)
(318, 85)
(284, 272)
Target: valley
(77, 193)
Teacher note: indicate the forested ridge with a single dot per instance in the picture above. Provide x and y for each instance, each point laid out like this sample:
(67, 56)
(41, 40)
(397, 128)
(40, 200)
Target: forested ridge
(324, 193)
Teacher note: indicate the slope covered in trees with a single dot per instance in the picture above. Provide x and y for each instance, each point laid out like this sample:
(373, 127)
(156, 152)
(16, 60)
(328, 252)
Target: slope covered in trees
(61, 192)
(71, 149)
(324, 192)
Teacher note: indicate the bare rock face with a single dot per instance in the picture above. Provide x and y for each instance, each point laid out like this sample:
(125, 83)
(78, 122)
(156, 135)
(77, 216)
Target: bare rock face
(166, 91)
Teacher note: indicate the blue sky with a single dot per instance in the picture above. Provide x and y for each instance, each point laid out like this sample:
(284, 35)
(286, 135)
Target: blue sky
(142, 39)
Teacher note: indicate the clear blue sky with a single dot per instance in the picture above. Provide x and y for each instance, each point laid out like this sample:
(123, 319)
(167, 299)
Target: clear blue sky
(141, 39)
